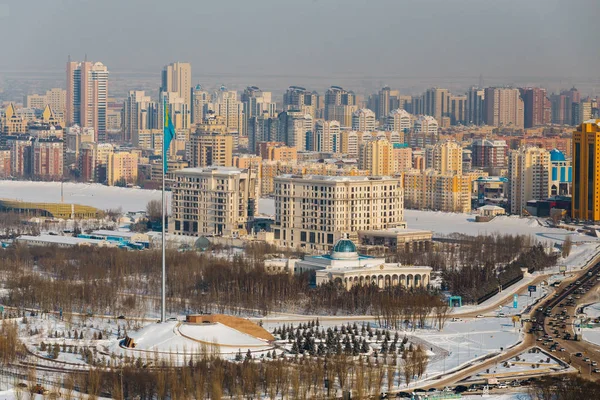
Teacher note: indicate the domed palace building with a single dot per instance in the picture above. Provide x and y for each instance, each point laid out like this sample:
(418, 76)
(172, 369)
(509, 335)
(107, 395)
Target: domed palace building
(345, 265)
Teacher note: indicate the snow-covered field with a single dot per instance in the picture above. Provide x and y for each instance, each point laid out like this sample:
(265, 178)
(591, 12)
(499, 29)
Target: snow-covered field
(89, 194)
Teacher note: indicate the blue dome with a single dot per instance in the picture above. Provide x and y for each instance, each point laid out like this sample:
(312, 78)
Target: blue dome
(344, 246)
(557, 155)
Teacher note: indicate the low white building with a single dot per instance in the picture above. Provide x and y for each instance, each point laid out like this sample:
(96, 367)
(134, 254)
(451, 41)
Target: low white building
(61, 241)
(345, 265)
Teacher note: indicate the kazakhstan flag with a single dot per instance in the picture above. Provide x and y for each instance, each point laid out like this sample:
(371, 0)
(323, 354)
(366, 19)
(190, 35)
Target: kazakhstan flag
(168, 134)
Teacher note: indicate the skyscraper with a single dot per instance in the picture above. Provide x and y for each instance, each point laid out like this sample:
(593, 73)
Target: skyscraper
(211, 145)
(139, 113)
(504, 107)
(586, 174)
(475, 111)
(87, 96)
(339, 105)
(399, 120)
(295, 129)
(177, 78)
(300, 99)
(536, 107)
(444, 157)
(436, 102)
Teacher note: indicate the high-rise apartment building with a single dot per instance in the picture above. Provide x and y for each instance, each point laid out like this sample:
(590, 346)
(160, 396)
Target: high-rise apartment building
(121, 168)
(458, 110)
(489, 153)
(295, 128)
(536, 105)
(386, 101)
(277, 151)
(528, 177)
(139, 113)
(12, 122)
(56, 98)
(177, 78)
(444, 157)
(436, 102)
(586, 173)
(431, 190)
(504, 107)
(340, 104)
(257, 102)
(232, 110)
(213, 201)
(299, 99)
(262, 129)
(475, 106)
(425, 131)
(5, 166)
(402, 157)
(399, 120)
(211, 145)
(376, 156)
(47, 161)
(313, 211)
(363, 120)
(200, 103)
(20, 147)
(326, 137)
(87, 96)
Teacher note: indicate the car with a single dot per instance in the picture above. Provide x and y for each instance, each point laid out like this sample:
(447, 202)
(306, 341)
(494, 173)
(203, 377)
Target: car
(596, 370)
(432, 390)
(578, 354)
(403, 395)
(479, 316)
(586, 359)
(562, 349)
(460, 389)
(502, 385)
(121, 317)
(593, 363)
(447, 389)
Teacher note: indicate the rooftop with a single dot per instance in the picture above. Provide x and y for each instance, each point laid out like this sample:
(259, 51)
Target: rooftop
(217, 170)
(52, 239)
(336, 178)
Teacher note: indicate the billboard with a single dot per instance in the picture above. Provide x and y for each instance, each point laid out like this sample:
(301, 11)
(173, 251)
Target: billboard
(532, 288)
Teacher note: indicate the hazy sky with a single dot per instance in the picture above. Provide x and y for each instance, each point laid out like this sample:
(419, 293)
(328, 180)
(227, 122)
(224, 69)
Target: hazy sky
(317, 38)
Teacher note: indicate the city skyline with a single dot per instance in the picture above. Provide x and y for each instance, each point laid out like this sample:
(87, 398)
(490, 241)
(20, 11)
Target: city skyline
(490, 40)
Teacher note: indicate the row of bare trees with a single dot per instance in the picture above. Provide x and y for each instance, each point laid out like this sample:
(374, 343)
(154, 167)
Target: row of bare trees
(119, 282)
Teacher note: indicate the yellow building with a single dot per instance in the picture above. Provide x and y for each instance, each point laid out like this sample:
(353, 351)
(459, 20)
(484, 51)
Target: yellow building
(529, 170)
(586, 176)
(431, 190)
(444, 157)
(122, 167)
(277, 151)
(12, 122)
(376, 156)
(402, 157)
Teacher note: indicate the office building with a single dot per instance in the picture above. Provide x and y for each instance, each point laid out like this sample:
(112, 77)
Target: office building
(561, 176)
(504, 107)
(586, 173)
(363, 120)
(212, 201)
(528, 177)
(177, 78)
(432, 190)
(458, 110)
(312, 211)
(87, 96)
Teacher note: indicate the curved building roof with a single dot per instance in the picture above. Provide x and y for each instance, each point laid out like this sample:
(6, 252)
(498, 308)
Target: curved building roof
(557, 155)
(344, 246)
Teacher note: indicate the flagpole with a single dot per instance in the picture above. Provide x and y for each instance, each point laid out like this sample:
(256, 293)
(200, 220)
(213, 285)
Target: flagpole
(164, 206)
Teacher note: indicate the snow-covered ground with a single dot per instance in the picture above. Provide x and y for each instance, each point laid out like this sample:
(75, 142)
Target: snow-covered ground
(89, 194)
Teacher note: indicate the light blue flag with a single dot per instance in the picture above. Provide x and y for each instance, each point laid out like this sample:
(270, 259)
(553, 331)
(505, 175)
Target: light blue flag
(168, 134)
